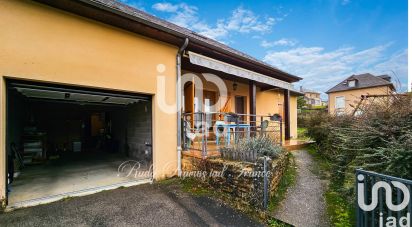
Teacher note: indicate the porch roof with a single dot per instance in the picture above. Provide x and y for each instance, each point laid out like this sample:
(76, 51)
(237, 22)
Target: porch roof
(217, 65)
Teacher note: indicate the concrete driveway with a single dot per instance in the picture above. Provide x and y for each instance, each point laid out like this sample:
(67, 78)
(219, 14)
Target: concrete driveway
(143, 205)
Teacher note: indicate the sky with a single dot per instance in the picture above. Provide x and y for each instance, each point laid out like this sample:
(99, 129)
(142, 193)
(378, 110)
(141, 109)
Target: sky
(322, 41)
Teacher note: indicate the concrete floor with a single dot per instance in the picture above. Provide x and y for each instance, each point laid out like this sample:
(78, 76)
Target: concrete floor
(69, 174)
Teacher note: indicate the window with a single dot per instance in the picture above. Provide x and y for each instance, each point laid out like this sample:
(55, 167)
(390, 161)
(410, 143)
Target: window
(352, 83)
(340, 102)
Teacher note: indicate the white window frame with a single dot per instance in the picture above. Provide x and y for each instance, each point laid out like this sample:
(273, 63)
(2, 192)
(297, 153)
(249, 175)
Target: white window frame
(352, 83)
(336, 103)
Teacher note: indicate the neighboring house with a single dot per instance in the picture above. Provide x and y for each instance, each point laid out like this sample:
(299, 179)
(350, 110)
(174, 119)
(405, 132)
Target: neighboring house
(311, 97)
(344, 97)
(89, 78)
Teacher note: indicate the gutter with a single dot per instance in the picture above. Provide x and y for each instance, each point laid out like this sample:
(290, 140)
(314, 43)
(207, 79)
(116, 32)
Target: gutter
(179, 108)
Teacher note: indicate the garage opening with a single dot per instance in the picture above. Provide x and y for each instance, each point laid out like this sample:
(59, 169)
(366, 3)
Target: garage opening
(62, 141)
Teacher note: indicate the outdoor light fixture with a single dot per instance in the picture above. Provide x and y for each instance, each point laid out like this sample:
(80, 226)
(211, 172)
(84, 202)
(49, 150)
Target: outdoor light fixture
(234, 86)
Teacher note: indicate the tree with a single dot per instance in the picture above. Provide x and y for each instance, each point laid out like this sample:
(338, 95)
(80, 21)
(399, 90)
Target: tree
(301, 102)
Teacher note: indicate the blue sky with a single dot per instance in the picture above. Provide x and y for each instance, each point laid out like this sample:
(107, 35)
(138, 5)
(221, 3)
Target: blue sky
(322, 41)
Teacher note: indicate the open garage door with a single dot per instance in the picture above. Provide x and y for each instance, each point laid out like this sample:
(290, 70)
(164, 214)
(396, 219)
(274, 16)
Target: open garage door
(65, 141)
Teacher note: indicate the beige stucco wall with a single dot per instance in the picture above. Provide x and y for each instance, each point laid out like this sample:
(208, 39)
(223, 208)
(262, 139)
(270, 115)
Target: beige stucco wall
(40, 43)
(272, 102)
(294, 116)
(352, 97)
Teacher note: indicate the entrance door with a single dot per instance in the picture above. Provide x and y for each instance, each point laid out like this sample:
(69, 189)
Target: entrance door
(240, 106)
(209, 102)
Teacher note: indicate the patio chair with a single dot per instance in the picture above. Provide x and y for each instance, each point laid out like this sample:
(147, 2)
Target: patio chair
(263, 127)
(220, 130)
(189, 134)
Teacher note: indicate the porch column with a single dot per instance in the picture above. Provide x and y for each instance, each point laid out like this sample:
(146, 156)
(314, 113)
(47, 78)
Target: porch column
(286, 105)
(252, 105)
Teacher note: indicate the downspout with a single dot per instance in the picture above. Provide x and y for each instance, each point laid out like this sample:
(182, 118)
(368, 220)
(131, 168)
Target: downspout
(179, 109)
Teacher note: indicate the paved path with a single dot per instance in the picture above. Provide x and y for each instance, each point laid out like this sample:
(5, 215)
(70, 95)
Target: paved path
(304, 204)
(144, 205)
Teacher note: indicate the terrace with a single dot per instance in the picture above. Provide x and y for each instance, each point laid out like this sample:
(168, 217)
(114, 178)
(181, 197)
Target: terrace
(206, 133)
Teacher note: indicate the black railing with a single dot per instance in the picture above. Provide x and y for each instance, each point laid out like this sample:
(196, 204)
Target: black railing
(210, 131)
(375, 209)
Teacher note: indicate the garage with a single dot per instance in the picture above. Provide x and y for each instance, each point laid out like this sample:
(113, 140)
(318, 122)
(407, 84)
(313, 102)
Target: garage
(66, 141)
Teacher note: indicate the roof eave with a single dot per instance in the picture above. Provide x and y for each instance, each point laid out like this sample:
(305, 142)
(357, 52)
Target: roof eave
(359, 88)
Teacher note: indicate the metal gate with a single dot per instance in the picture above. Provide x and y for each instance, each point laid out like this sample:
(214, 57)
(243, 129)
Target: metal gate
(382, 199)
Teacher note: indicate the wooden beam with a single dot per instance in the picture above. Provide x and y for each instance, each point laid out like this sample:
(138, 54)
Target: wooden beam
(286, 105)
(252, 104)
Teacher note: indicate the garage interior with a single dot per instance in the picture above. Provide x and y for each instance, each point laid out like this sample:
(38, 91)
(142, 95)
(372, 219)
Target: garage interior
(62, 140)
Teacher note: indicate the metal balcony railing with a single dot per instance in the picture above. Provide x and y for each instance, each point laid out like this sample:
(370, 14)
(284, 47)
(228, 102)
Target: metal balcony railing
(209, 131)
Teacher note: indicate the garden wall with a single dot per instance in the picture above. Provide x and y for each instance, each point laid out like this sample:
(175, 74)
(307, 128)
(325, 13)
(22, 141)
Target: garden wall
(242, 180)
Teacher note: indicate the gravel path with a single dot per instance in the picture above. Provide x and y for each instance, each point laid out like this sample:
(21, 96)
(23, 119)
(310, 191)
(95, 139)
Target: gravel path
(304, 204)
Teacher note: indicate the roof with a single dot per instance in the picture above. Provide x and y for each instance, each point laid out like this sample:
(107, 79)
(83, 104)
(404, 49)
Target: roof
(305, 90)
(139, 16)
(365, 80)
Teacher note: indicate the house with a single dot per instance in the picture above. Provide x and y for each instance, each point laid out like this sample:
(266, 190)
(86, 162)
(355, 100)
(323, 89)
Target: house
(345, 96)
(89, 91)
(311, 97)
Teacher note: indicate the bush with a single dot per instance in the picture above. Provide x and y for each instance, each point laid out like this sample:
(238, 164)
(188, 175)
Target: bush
(263, 145)
(256, 146)
(378, 140)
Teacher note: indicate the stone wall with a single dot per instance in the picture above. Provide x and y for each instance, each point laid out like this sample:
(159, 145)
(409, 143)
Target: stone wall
(244, 181)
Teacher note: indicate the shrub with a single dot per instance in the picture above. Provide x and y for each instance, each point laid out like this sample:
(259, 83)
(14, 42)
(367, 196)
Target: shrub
(254, 147)
(378, 140)
(263, 145)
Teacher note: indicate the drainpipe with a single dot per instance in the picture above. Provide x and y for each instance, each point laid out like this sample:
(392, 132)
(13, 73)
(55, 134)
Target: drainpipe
(179, 109)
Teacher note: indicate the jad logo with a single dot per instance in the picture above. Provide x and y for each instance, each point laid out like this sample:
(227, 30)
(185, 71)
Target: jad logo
(403, 221)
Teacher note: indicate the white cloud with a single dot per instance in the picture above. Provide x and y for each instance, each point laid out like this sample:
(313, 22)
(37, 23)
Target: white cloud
(246, 21)
(280, 42)
(182, 14)
(240, 21)
(323, 69)
(165, 7)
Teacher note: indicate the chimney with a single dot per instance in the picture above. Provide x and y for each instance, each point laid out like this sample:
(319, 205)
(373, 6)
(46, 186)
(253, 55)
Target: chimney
(385, 77)
(301, 89)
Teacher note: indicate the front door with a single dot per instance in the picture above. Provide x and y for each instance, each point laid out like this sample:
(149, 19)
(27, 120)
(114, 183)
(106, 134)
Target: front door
(240, 107)
(209, 102)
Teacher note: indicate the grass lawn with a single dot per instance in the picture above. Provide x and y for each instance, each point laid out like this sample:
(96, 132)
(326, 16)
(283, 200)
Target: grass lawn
(302, 135)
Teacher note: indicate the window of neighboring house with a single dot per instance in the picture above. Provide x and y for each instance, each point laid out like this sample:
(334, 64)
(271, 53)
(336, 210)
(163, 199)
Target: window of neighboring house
(352, 83)
(340, 102)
